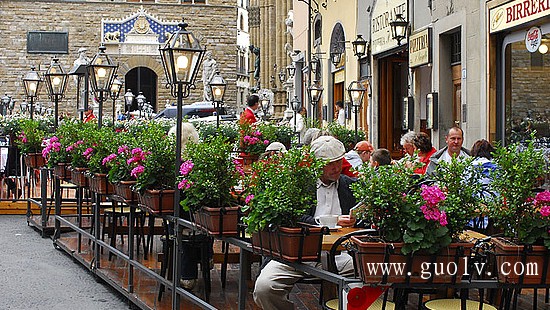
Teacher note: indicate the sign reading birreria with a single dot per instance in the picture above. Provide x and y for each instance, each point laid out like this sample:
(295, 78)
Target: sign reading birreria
(47, 42)
(517, 12)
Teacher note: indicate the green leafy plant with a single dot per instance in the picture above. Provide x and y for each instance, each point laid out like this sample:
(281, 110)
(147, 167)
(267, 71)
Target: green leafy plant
(158, 167)
(30, 136)
(210, 131)
(282, 189)
(403, 211)
(347, 136)
(275, 133)
(252, 140)
(208, 174)
(102, 144)
(80, 148)
(514, 209)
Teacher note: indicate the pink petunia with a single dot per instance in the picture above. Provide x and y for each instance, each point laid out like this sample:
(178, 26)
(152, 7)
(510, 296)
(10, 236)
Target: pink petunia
(184, 184)
(186, 167)
(248, 198)
(545, 211)
(542, 198)
(122, 149)
(88, 153)
(109, 158)
(137, 171)
(432, 194)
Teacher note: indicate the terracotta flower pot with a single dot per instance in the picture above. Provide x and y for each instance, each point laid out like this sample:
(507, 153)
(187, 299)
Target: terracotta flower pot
(34, 160)
(78, 176)
(62, 171)
(124, 190)
(529, 261)
(442, 267)
(218, 221)
(158, 201)
(291, 243)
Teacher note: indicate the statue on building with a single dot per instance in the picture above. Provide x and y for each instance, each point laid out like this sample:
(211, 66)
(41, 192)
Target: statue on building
(289, 22)
(209, 67)
(81, 60)
(256, 51)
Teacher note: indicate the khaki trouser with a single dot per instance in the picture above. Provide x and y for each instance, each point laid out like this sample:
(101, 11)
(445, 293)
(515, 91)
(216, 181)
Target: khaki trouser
(277, 279)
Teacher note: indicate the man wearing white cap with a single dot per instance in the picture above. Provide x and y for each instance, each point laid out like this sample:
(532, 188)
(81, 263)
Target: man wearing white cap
(333, 197)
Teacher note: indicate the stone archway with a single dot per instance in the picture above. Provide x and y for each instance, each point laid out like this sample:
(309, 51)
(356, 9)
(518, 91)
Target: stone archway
(141, 74)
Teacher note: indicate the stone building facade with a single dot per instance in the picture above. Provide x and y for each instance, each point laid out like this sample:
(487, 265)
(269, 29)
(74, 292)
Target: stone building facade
(214, 24)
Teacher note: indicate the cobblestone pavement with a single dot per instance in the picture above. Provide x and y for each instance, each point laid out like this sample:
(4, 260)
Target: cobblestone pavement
(34, 275)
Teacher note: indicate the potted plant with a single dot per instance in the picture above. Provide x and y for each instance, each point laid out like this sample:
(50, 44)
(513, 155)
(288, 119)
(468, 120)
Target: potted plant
(155, 177)
(121, 166)
(413, 222)
(252, 143)
(282, 189)
(519, 211)
(208, 177)
(100, 145)
(29, 141)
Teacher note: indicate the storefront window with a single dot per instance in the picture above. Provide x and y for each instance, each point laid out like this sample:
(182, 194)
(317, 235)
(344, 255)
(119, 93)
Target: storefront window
(527, 102)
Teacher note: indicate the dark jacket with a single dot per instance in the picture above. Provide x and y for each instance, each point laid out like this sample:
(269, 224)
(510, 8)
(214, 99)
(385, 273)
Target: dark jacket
(347, 201)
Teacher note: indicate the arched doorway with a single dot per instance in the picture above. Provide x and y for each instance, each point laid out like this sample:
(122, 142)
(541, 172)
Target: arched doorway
(142, 79)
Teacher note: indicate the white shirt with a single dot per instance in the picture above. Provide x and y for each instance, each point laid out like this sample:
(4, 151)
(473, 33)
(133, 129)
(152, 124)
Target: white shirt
(342, 117)
(446, 157)
(327, 199)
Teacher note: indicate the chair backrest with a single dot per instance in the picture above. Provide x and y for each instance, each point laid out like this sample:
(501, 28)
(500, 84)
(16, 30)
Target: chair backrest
(13, 165)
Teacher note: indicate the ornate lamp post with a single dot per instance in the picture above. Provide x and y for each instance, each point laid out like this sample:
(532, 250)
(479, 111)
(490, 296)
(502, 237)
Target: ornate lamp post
(141, 100)
(356, 92)
(359, 46)
(296, 107)
(6, 103)
(336, 56)
(129, 100)
(115, 92)
(102, 72)
(217, 87)
(181, 56)
(56, 81)
(291, 70)
(399, 28)
(315, 91)
(32, 83)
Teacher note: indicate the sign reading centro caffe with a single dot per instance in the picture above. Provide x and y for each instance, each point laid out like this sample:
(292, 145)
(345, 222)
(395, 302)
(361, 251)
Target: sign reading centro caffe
(420, 48)
(517, 12)
(383, 13)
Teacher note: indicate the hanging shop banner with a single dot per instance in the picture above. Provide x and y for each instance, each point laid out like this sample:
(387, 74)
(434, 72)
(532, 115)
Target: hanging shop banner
(516, 13)
(384, 12)
(420, 48)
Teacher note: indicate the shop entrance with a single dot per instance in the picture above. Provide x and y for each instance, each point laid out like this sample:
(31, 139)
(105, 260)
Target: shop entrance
(393, 72)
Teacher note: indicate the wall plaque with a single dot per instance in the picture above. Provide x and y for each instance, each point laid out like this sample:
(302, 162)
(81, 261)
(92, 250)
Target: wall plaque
(47, 42)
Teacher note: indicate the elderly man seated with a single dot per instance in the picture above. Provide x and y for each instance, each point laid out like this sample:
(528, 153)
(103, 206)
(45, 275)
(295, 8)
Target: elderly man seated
(333, 197)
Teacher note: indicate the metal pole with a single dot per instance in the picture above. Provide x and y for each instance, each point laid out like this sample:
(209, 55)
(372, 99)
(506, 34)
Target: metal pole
(355, 108)
(176, 262)
(99, 112)
(56, 111)
(32, 107)
(217, 114)
(114, 114)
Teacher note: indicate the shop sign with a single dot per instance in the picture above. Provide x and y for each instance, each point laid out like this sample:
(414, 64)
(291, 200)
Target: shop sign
(420, 48)
(533, 39)
(383, 13)
(516, 13)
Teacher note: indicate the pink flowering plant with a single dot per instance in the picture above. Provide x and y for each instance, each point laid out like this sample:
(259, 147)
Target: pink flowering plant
(519, 209)
(208, 175)
(401, 209)
(30, 136)
(252, 140)
(125, 163)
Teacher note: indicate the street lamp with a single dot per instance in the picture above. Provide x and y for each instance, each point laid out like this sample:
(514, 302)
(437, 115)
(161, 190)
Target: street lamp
(336, 56)
(129, 100)
(291, 70)
(315, 91)
(181, 56)
(359, 46)
(315, 66)
(217, 87)
(141, 100)
(356, 92)
(399, 28)
(295, 106)
(32, 81)
(102, 72)
(282, 76)
(6, 102)
(115, 92)
(56, 81)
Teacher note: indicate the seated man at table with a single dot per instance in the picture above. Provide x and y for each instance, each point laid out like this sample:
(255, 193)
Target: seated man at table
(333, 197)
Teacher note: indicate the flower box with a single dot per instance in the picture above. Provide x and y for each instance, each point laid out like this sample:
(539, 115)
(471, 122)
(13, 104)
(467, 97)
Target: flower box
(78, 176)
(158, 201)
(99, 184)
(372, 252)
(513, 261)
(291, 243)
(34, 160)
(124, 190)
(62, 171)
(218, 221)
